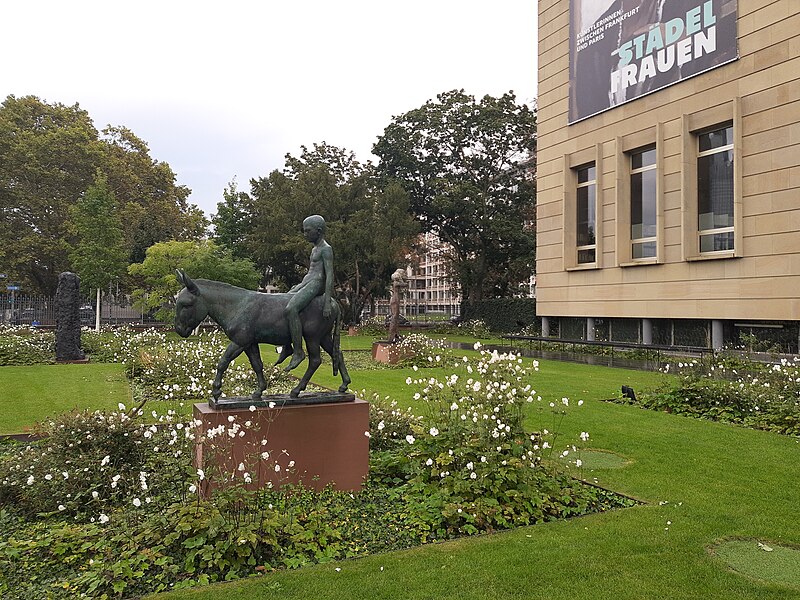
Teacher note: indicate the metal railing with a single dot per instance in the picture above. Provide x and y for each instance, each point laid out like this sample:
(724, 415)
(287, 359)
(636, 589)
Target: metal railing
(40, 311)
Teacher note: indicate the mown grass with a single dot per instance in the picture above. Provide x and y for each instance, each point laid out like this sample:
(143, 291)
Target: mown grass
(32, 393)
(702, 482)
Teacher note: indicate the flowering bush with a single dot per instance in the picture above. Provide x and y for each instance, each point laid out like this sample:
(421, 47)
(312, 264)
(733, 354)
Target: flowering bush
(107, 505)
(469, 465)
(373, 326)
(476, 328)
(733, 390)
(183, 370)
(419, 350)
(26, 346)
(88, 463)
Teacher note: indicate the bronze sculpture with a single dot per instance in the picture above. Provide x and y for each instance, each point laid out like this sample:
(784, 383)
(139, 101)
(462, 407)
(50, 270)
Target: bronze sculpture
(249, 318)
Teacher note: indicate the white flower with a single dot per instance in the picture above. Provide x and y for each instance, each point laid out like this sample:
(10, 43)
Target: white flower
(410, 439)
(252, 408)
(48, 477)
(192, 488)
(105, 461)
(477, 346)
(241, 466)
(201, 474)
(277, 468)
(95, 495)
(231, 419)
(578, 463)
(367, 434)
(473, 475)
(137, 503)
(381, 425)
(247, 478)
(470, 466)
(291, 464)
(429, 462)
(121, 406)
(584, 436)
(454, 406)
(434, 432)
(103, 518)
(565, 401)
(62, 507)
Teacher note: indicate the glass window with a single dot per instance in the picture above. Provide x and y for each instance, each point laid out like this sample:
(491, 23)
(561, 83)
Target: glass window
(587, 214)
(715, 189)
(643, 204)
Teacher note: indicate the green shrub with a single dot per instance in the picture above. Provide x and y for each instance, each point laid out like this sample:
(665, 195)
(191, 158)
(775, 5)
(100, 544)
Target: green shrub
(121, 513)
(732, 389)
(26, 346)
(476, 328)
(373, 326)
(501, 314)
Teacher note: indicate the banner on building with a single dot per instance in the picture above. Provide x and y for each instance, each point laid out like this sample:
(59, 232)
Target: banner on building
(620, 50)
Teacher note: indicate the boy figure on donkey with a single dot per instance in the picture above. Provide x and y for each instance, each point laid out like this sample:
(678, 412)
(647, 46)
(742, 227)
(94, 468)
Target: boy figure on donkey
(317, 282)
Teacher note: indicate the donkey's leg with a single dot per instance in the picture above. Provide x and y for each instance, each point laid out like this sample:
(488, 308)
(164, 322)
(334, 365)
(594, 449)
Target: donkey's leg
(327, 345)
(231, 352)
(254, 354)
(286, 352)
(314, 361)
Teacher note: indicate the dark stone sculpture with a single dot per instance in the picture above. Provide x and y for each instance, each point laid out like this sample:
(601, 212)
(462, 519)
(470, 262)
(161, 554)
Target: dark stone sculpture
(249, 318)
(68, 318)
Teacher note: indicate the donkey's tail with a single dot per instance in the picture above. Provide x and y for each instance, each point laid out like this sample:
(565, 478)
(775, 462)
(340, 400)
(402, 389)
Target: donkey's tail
(337, 329)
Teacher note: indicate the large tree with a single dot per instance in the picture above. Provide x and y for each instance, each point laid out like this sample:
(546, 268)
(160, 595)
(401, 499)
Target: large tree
(99, 255)
(466, 166)
(48, 157)
(369, 226)
(49, 154)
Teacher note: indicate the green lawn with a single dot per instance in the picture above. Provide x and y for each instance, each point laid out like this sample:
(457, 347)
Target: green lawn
(702, 482)
(31, 394)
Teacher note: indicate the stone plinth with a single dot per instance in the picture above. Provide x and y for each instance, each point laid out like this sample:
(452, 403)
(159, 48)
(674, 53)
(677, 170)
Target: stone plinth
(389, 353)
(326, 441)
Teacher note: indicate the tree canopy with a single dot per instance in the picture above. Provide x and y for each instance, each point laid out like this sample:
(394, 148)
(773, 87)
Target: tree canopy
(49, 155)
(369, 226)
(205, 259)
(99, 255)
(465, 165)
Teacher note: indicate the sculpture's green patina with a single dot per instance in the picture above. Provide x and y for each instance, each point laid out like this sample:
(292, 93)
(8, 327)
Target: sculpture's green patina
(249, 318)
(318, 281)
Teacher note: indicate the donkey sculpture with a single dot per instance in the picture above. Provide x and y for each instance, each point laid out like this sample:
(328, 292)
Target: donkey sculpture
(249, 318)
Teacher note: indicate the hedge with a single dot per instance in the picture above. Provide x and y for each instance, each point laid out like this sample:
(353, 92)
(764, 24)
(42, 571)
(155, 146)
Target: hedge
(501, 314)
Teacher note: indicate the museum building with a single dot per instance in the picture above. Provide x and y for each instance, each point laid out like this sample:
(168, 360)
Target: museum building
(668, 175)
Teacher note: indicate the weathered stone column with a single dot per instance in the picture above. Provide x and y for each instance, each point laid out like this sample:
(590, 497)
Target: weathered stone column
(68, 318)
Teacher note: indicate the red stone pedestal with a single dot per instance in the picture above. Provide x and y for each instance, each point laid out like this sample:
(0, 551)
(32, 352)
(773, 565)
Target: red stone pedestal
(389, 353)
(325, 441)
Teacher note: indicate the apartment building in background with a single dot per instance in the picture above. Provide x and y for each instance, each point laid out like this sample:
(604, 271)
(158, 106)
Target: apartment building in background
(668, 174)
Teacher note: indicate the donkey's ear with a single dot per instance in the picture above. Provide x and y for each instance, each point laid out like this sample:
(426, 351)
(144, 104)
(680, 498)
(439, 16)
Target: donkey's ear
(187, 282)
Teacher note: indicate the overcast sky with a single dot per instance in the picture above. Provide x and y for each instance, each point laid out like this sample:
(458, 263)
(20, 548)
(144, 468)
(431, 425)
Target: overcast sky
(225, 89)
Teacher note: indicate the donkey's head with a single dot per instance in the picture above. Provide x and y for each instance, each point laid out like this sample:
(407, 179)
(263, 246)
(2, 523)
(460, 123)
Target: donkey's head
(190, 306)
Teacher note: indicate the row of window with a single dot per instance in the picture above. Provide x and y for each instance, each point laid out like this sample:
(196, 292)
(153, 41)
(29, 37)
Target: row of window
(715, 198)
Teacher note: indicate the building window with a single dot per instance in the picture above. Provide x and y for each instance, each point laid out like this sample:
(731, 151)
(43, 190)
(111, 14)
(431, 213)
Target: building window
(715, 197)
(587, 214)
(643, 204)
